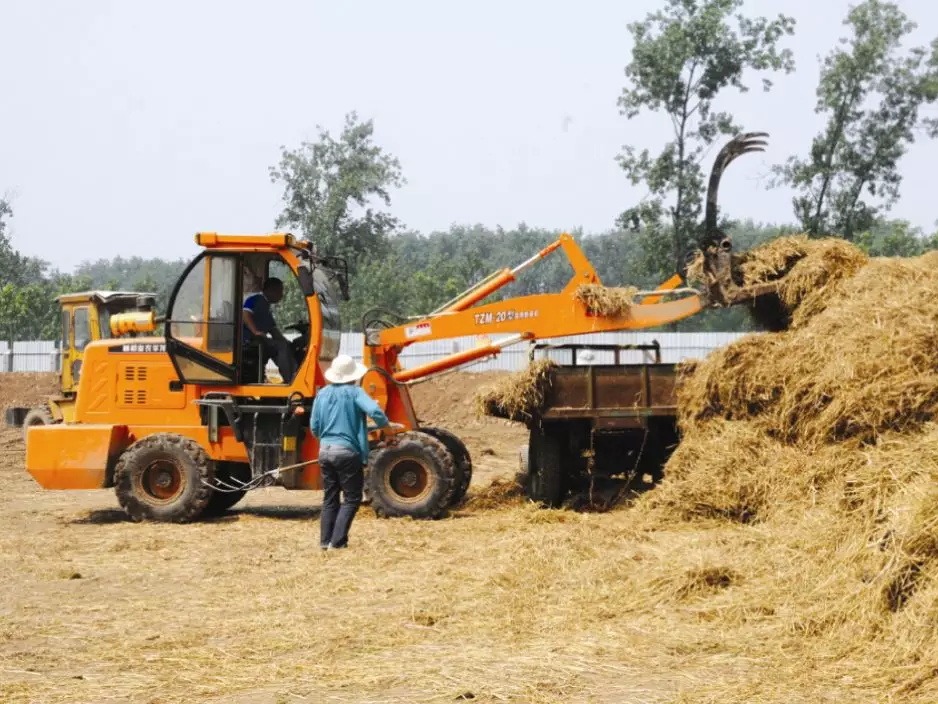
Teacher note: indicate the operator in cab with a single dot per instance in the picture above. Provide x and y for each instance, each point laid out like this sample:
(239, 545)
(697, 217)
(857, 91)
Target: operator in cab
(338, 420)
(259, 323)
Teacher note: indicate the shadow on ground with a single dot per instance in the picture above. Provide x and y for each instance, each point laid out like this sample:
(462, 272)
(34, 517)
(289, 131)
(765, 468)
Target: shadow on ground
(100, 517)
(289, 513)
(283, 513)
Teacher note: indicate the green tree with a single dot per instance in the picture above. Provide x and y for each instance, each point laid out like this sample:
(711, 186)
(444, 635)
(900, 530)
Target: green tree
(14, 267)
(333, 190)
(683, 57)
(895, 238)
(870, 91)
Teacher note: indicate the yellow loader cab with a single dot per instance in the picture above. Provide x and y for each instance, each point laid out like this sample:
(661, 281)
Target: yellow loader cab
(86, 316)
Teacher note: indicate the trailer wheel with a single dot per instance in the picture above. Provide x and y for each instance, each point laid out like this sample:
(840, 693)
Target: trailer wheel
(545, 480)
(221, 501)
(462, 461)
(412, 477)
(162, 478)
(40, 415)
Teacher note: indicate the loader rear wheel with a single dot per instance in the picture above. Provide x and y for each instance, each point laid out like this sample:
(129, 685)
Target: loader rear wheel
(412, 477)
(221, 501)
(162, 478)
(545, 483)
(462, 461)
(41, 415)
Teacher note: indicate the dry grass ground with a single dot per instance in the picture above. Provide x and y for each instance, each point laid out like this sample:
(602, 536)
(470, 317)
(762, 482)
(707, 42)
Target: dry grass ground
(500, 602)
(505, 603)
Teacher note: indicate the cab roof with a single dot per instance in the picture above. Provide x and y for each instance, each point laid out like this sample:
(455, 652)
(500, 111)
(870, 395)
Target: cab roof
(101, 296)
(270, 240)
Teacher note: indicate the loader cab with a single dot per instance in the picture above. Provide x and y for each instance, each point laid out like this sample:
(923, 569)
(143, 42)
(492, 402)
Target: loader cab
(205, 334)
(85, 318)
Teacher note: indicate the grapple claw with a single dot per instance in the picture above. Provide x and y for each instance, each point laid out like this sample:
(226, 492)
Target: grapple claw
(715, 245)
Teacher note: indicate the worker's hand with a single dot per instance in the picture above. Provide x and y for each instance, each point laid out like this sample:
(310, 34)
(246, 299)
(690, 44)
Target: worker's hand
(396, 426)
(299, 411)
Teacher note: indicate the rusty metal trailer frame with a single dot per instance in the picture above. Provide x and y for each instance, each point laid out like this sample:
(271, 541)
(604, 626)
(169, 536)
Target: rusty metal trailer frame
(600, 420)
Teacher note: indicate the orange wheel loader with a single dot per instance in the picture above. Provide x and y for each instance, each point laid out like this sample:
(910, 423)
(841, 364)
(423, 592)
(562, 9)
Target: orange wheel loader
(184, 424)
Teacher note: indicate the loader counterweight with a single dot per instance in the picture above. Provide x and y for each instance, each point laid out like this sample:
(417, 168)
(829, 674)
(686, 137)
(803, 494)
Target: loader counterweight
(74, 456)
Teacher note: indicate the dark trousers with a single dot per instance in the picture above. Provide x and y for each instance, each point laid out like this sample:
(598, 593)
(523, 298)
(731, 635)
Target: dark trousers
(282, 353)
(341, 470)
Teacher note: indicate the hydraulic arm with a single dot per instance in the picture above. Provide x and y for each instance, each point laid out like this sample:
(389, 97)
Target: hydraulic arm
(527, 317)
(559, 314)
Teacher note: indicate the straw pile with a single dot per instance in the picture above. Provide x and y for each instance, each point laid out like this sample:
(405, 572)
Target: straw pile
(822, 440)
(518, 397)
(807, 273)
(605, 301)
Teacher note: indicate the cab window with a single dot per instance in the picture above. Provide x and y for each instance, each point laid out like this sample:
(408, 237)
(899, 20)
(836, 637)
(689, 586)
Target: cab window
(82, 328)
(203, 318)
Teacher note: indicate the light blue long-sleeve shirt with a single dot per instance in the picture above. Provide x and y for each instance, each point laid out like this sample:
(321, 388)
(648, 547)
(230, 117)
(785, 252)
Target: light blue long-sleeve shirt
(338, 417)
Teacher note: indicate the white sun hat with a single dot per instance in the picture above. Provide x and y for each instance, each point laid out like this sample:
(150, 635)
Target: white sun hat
(344, 370)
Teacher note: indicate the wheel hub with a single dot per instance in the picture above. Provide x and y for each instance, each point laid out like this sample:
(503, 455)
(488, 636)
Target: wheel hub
(410, 479)
(162, 481)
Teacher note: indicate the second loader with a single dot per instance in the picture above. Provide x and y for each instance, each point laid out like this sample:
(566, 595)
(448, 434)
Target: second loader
(185, 423)
(86, 316)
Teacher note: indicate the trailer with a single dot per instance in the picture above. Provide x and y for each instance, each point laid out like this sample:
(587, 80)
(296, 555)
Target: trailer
(599, 421)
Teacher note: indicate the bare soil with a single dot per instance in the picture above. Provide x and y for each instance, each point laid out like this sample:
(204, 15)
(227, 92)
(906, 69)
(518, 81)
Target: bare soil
(26, 389)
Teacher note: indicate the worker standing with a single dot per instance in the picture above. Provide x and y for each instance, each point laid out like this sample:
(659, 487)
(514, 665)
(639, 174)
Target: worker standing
(338, 420)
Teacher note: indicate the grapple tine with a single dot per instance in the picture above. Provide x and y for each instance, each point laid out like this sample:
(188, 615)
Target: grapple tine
(741, 144)
(715, 245)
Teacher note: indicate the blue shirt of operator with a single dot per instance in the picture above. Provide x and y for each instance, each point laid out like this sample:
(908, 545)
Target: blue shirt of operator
(259, 306)
(338, 417)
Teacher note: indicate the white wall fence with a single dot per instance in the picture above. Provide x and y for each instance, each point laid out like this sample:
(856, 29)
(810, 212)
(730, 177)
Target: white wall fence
(43, 356)
(33, 356)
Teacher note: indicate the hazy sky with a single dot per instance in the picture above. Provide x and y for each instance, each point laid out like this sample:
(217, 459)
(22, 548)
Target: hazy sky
(128, 126)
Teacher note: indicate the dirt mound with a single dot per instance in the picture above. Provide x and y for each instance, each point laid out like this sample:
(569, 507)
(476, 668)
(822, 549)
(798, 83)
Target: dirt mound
(823, 440)
(26, 389)
(448, 400)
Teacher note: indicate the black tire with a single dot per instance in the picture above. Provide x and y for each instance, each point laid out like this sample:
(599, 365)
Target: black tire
(221, 501)
(40, 415)
(462, 461)
(545, 483)
(412, 477)
(162, 478)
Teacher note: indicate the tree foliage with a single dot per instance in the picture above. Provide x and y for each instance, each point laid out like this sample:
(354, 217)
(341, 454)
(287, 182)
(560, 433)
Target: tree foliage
(896, 238)
(870, 91)
(333, 190)
(683, 57)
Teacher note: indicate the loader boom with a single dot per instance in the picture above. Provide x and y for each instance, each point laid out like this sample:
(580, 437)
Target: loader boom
(532, 317)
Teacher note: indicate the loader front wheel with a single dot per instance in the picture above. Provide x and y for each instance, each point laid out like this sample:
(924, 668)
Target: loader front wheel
(462, 461)
(162, 478)
(413, 477)
(41, 415)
